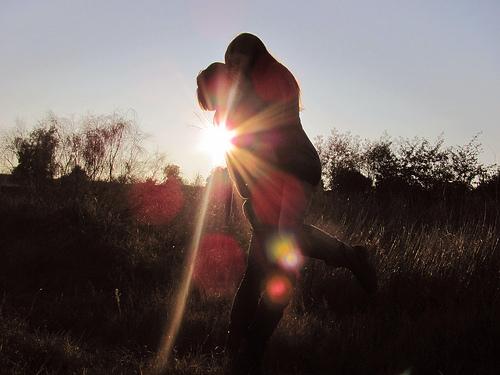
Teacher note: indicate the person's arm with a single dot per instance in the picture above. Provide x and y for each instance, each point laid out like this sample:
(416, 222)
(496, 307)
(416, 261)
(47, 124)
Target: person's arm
(237, 178)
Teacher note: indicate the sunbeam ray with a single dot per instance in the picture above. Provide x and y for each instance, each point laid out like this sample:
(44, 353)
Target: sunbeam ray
(167, 342)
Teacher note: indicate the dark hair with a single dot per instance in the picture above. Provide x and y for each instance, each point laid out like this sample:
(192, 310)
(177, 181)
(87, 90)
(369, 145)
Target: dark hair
(211, 84)
(271, 80)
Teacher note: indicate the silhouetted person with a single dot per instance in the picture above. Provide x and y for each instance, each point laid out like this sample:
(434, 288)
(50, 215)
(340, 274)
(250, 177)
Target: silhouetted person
(275, 168)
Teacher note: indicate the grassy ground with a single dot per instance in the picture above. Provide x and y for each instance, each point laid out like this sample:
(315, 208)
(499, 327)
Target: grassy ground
(87, 283)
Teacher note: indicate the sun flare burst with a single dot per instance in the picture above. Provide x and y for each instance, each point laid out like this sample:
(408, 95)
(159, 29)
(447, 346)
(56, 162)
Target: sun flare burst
(217, 141)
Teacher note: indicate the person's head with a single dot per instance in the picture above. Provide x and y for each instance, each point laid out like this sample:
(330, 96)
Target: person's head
(243, 52)
(247, 57)
(213, 86)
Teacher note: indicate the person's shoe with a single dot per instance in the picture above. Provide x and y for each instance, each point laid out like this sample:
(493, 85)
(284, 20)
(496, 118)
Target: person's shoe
(363, 269)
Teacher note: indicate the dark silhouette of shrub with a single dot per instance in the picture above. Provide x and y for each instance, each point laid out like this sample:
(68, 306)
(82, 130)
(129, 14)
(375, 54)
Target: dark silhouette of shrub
(36, 156)
(351, 181)
(338, 153)
(415, 168)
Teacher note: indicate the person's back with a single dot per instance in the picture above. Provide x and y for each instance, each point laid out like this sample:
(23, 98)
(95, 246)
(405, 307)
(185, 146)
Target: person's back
(275, 126)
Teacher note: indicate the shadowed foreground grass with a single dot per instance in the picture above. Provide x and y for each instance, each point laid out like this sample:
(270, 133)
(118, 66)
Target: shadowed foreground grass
(86, 288)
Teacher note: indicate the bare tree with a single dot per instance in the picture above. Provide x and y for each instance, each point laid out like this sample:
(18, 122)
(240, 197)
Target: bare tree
(109, 146)
(93, 151)
(114, 134)
(8, 151)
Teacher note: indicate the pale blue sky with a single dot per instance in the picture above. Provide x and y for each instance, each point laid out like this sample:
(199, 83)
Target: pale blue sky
(408, 68)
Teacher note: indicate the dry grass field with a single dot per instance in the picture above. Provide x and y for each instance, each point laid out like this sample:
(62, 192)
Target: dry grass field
(87, 287)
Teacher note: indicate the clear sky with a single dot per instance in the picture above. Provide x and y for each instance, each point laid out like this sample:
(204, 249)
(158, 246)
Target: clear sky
(405, 67)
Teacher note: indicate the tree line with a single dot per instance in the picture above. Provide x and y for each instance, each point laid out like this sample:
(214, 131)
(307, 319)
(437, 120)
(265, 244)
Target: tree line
(404, 165)
(110, 148)
(97, 148)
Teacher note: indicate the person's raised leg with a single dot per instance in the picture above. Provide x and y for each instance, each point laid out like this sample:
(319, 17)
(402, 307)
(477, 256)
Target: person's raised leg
(318, 244)
(313, 242)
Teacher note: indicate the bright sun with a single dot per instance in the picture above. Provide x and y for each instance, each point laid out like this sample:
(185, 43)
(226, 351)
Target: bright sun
(216, 141)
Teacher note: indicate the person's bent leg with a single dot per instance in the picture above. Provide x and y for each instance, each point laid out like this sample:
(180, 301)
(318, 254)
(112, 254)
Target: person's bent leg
(313, 242)
(318, 244)
(321, 245)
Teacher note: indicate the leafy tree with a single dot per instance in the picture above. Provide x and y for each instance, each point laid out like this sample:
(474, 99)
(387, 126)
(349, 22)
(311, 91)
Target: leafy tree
(36, 156)
(424, 165)
(383, 165)
(491, 186)
(339, 153)
(465, 166)
(172, 172)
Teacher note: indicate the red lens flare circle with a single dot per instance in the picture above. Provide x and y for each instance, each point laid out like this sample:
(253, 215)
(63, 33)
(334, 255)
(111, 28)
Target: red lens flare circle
(219, 265)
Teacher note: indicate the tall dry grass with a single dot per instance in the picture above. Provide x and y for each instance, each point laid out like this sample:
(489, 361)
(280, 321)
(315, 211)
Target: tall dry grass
(86, 288)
